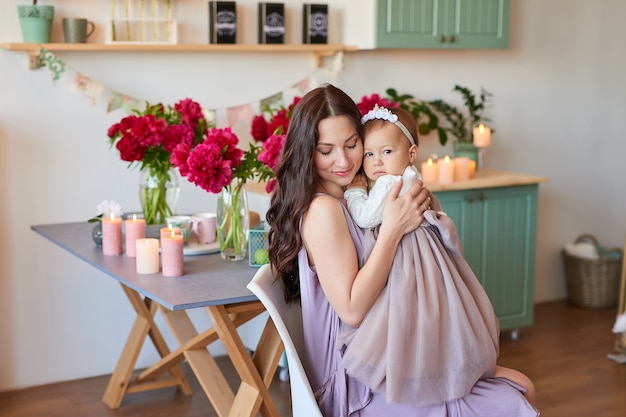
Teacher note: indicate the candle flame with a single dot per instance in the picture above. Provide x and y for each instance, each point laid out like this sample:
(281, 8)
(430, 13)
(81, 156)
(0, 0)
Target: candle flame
(481, 128)
(446, 159)
(173, 233)
(430, 162)
(134, 217)
(112, 216)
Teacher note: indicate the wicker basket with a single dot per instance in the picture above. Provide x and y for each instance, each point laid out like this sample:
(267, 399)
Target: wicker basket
(593, 283)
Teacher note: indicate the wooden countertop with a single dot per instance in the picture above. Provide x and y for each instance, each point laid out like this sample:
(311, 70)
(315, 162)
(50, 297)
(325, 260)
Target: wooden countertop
(485, 178)
(488, 178)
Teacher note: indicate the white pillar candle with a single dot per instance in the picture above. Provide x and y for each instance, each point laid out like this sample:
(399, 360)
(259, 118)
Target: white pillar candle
(135, 229)
(482, 136)
(429, 171)
(461, 168)
(147, 251)
(112, 236)
(172, 256)
(445, 170)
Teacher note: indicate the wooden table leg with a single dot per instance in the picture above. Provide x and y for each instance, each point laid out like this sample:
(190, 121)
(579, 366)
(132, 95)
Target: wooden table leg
(119, 383)
(256, 374)
(202, 363)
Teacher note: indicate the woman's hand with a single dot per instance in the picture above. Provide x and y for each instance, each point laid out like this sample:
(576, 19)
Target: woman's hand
(404, 214)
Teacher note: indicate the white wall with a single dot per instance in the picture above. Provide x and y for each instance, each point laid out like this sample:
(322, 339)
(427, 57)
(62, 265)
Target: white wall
(559, 95)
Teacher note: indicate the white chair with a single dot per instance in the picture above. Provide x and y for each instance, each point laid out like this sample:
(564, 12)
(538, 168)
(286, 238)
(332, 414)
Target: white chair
(288, 322)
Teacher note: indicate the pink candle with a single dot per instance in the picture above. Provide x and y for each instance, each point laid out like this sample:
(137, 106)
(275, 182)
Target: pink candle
(147, 256)
(472, 168)
(461, 168)
(172, 258)
(112, 236)
(482, 136)
(166, 231)
(135, 229)
(446, 170)
(429, 171)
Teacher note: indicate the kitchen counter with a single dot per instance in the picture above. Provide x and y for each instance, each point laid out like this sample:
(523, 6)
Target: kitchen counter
(488, 178)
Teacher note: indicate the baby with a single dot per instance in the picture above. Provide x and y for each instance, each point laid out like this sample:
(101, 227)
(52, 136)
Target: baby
(433, 303)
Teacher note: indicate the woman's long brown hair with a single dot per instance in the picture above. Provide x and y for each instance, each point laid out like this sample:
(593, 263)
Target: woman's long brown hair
(297, 179)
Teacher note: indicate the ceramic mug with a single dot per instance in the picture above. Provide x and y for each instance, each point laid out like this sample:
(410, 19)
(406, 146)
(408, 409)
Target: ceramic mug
(204, 226)
(77, 30)
(184, 222)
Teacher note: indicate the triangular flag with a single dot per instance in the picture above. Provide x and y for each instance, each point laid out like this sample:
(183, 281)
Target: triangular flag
(334, 66)
(272, 101)
(211, 116)
(241, 113)
(54, 64)
(302, 87)
(122, 101)
(92, 89)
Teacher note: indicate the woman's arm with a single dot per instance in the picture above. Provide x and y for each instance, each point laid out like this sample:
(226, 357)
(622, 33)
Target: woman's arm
(350, 291)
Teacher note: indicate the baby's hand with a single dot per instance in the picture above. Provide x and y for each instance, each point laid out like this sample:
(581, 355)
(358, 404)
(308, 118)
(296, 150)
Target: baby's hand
(359, 181)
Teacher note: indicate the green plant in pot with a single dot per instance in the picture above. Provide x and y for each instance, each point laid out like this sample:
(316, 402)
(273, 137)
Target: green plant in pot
(446, 119)
(461, 125)
(36, 22)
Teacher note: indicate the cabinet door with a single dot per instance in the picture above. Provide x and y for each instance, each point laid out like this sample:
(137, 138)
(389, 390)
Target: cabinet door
(442, 24)
(497, 227)
(477, 24)
(408, 24)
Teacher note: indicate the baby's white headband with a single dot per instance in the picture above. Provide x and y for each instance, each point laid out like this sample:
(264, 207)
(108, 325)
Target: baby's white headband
(383, 113)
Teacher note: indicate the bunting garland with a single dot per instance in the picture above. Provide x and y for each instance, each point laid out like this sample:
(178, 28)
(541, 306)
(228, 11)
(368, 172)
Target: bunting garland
(97, 93)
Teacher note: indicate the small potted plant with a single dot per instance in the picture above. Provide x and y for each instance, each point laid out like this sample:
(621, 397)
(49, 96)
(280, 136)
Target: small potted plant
(36, 22)
(461, 125)
(429, 115)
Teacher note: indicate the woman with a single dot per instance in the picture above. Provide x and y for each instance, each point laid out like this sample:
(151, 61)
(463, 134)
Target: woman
(316, 250)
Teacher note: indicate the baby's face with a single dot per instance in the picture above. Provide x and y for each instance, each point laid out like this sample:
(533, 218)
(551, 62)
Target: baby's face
(386, 151)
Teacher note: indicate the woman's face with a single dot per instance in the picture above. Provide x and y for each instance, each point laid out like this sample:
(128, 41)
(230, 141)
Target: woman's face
(338, 154)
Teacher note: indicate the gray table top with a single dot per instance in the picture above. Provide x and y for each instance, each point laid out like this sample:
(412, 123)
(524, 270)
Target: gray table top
(208, 280)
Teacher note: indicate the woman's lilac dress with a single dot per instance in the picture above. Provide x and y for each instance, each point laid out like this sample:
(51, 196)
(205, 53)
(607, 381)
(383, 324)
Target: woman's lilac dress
(340, 394)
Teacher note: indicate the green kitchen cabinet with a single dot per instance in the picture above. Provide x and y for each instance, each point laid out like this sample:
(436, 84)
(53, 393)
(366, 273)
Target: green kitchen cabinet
(447, 24)
(497, 227)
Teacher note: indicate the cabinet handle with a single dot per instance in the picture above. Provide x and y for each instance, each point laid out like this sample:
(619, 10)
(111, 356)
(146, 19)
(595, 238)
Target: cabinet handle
(470, 198)
(481, 196)
(451, 39)
(442, 39)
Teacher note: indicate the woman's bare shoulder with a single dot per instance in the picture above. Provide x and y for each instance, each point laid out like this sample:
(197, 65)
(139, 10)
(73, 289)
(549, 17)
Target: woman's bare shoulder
(324, 205)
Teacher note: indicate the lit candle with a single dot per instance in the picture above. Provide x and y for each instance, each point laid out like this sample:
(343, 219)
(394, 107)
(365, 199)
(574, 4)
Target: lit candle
(482, 136)
(446, 170)
(166, 231)
(429, 171)
(112, 236)
(135, 229)
(172, 256)
(461, 168)
(147, 251)
(472, 168)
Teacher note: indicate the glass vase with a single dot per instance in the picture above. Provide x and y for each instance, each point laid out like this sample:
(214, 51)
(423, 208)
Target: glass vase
(233, 222)
(158, 194)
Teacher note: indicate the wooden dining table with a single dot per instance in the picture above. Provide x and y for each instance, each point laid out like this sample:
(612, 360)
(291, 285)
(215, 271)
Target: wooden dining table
(210, 283)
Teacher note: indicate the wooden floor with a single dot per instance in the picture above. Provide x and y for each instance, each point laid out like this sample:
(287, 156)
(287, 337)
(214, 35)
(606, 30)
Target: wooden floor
(564, 353)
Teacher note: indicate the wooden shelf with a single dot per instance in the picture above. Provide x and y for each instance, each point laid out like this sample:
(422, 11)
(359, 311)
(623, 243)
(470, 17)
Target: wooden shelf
(318, 50)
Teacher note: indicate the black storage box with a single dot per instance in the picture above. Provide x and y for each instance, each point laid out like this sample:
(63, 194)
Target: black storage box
(315, 23)
(271, 23)
(222, 22)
